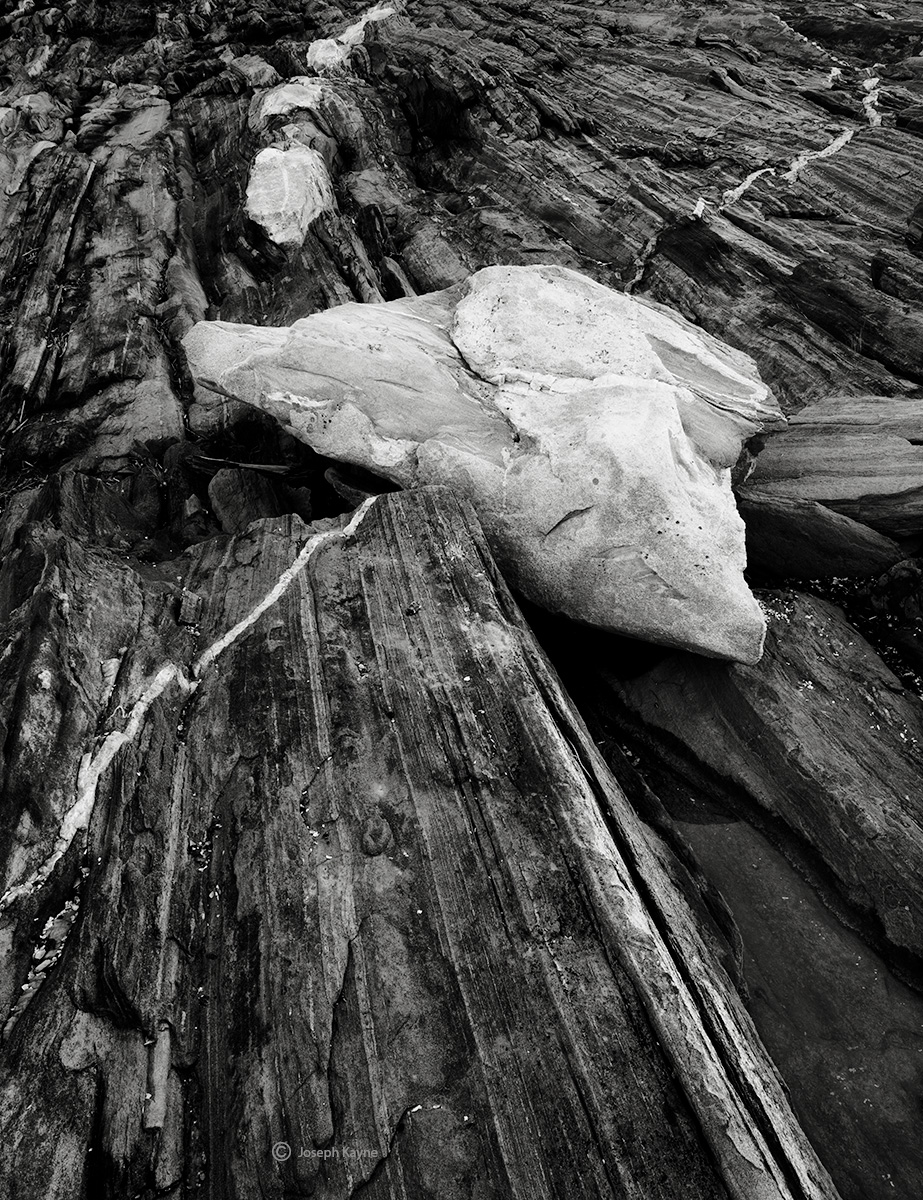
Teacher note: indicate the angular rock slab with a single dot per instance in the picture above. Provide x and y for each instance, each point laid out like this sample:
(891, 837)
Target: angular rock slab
(820, 735)
(794, 538)
(593, 433)
(358, 880)
(861, 456)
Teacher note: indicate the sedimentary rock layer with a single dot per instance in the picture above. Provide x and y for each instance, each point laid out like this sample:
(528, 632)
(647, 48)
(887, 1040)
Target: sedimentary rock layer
(861, 456)
(357, 881)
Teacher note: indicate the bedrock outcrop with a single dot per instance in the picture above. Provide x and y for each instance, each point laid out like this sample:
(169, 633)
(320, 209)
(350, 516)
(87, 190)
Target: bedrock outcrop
(756, 167)
(821, 736)
(593, 432)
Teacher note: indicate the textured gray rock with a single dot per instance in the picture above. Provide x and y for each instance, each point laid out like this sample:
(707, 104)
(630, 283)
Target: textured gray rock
(456, 136)
(861, 456)
(820, 734)
(593, 432)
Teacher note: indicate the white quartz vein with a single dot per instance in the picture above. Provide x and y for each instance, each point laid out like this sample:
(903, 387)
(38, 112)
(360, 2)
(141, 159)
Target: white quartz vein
(94, 764)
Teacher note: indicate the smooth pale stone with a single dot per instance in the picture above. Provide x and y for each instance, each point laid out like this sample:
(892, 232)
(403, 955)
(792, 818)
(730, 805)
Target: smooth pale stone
(287, 191)
(592, 488)
(520, 322)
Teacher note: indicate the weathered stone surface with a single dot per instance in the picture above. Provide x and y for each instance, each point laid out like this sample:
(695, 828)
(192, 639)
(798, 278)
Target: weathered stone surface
(457, 137)
(552, 328)
(861, 456)
(457, 942)
(819, 734)
(592, 432)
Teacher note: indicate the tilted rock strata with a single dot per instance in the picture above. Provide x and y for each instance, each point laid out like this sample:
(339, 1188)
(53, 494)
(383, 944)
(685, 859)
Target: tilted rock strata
(387, 883)
(861, 456)
(456, 136)
(592, 432)
(821, 734)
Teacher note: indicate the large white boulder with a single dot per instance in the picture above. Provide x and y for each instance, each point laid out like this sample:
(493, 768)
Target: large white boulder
(592, 432)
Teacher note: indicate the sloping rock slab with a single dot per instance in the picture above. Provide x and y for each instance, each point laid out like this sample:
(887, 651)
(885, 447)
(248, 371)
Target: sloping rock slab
(364, 913)
(792, 538)
(592, 432)
(861, 456)
(819, 734)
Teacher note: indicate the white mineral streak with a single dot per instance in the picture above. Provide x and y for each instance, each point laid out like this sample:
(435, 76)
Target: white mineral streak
(734, 194)
(287, 190)
(94, 764)
(872, 89)
(330, 54)
(800, 37)
(281, 586)
(593, 434)
(810, 156)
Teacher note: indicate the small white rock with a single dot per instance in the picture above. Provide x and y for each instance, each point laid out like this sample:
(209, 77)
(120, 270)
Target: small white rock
(287, 191)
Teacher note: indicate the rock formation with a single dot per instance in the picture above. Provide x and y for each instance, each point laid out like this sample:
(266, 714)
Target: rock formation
(302, 844)
(594, 433)
(861, 456)
(821, 735)
(414, 973)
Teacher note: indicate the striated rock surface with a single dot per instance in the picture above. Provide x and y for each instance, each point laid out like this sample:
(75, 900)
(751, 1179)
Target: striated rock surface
(458, 941)
(594, 434)
(757, 168)
(820, 735)
(861, 456)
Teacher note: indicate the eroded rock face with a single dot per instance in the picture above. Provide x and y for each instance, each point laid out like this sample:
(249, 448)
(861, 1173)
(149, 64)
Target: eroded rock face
(593, 432)
(822, 735)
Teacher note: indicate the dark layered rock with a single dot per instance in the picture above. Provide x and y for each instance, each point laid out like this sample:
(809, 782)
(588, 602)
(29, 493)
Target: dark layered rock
(792, 537)
(861, 456)
(823, 738)
(758, 169)
(458, 939)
